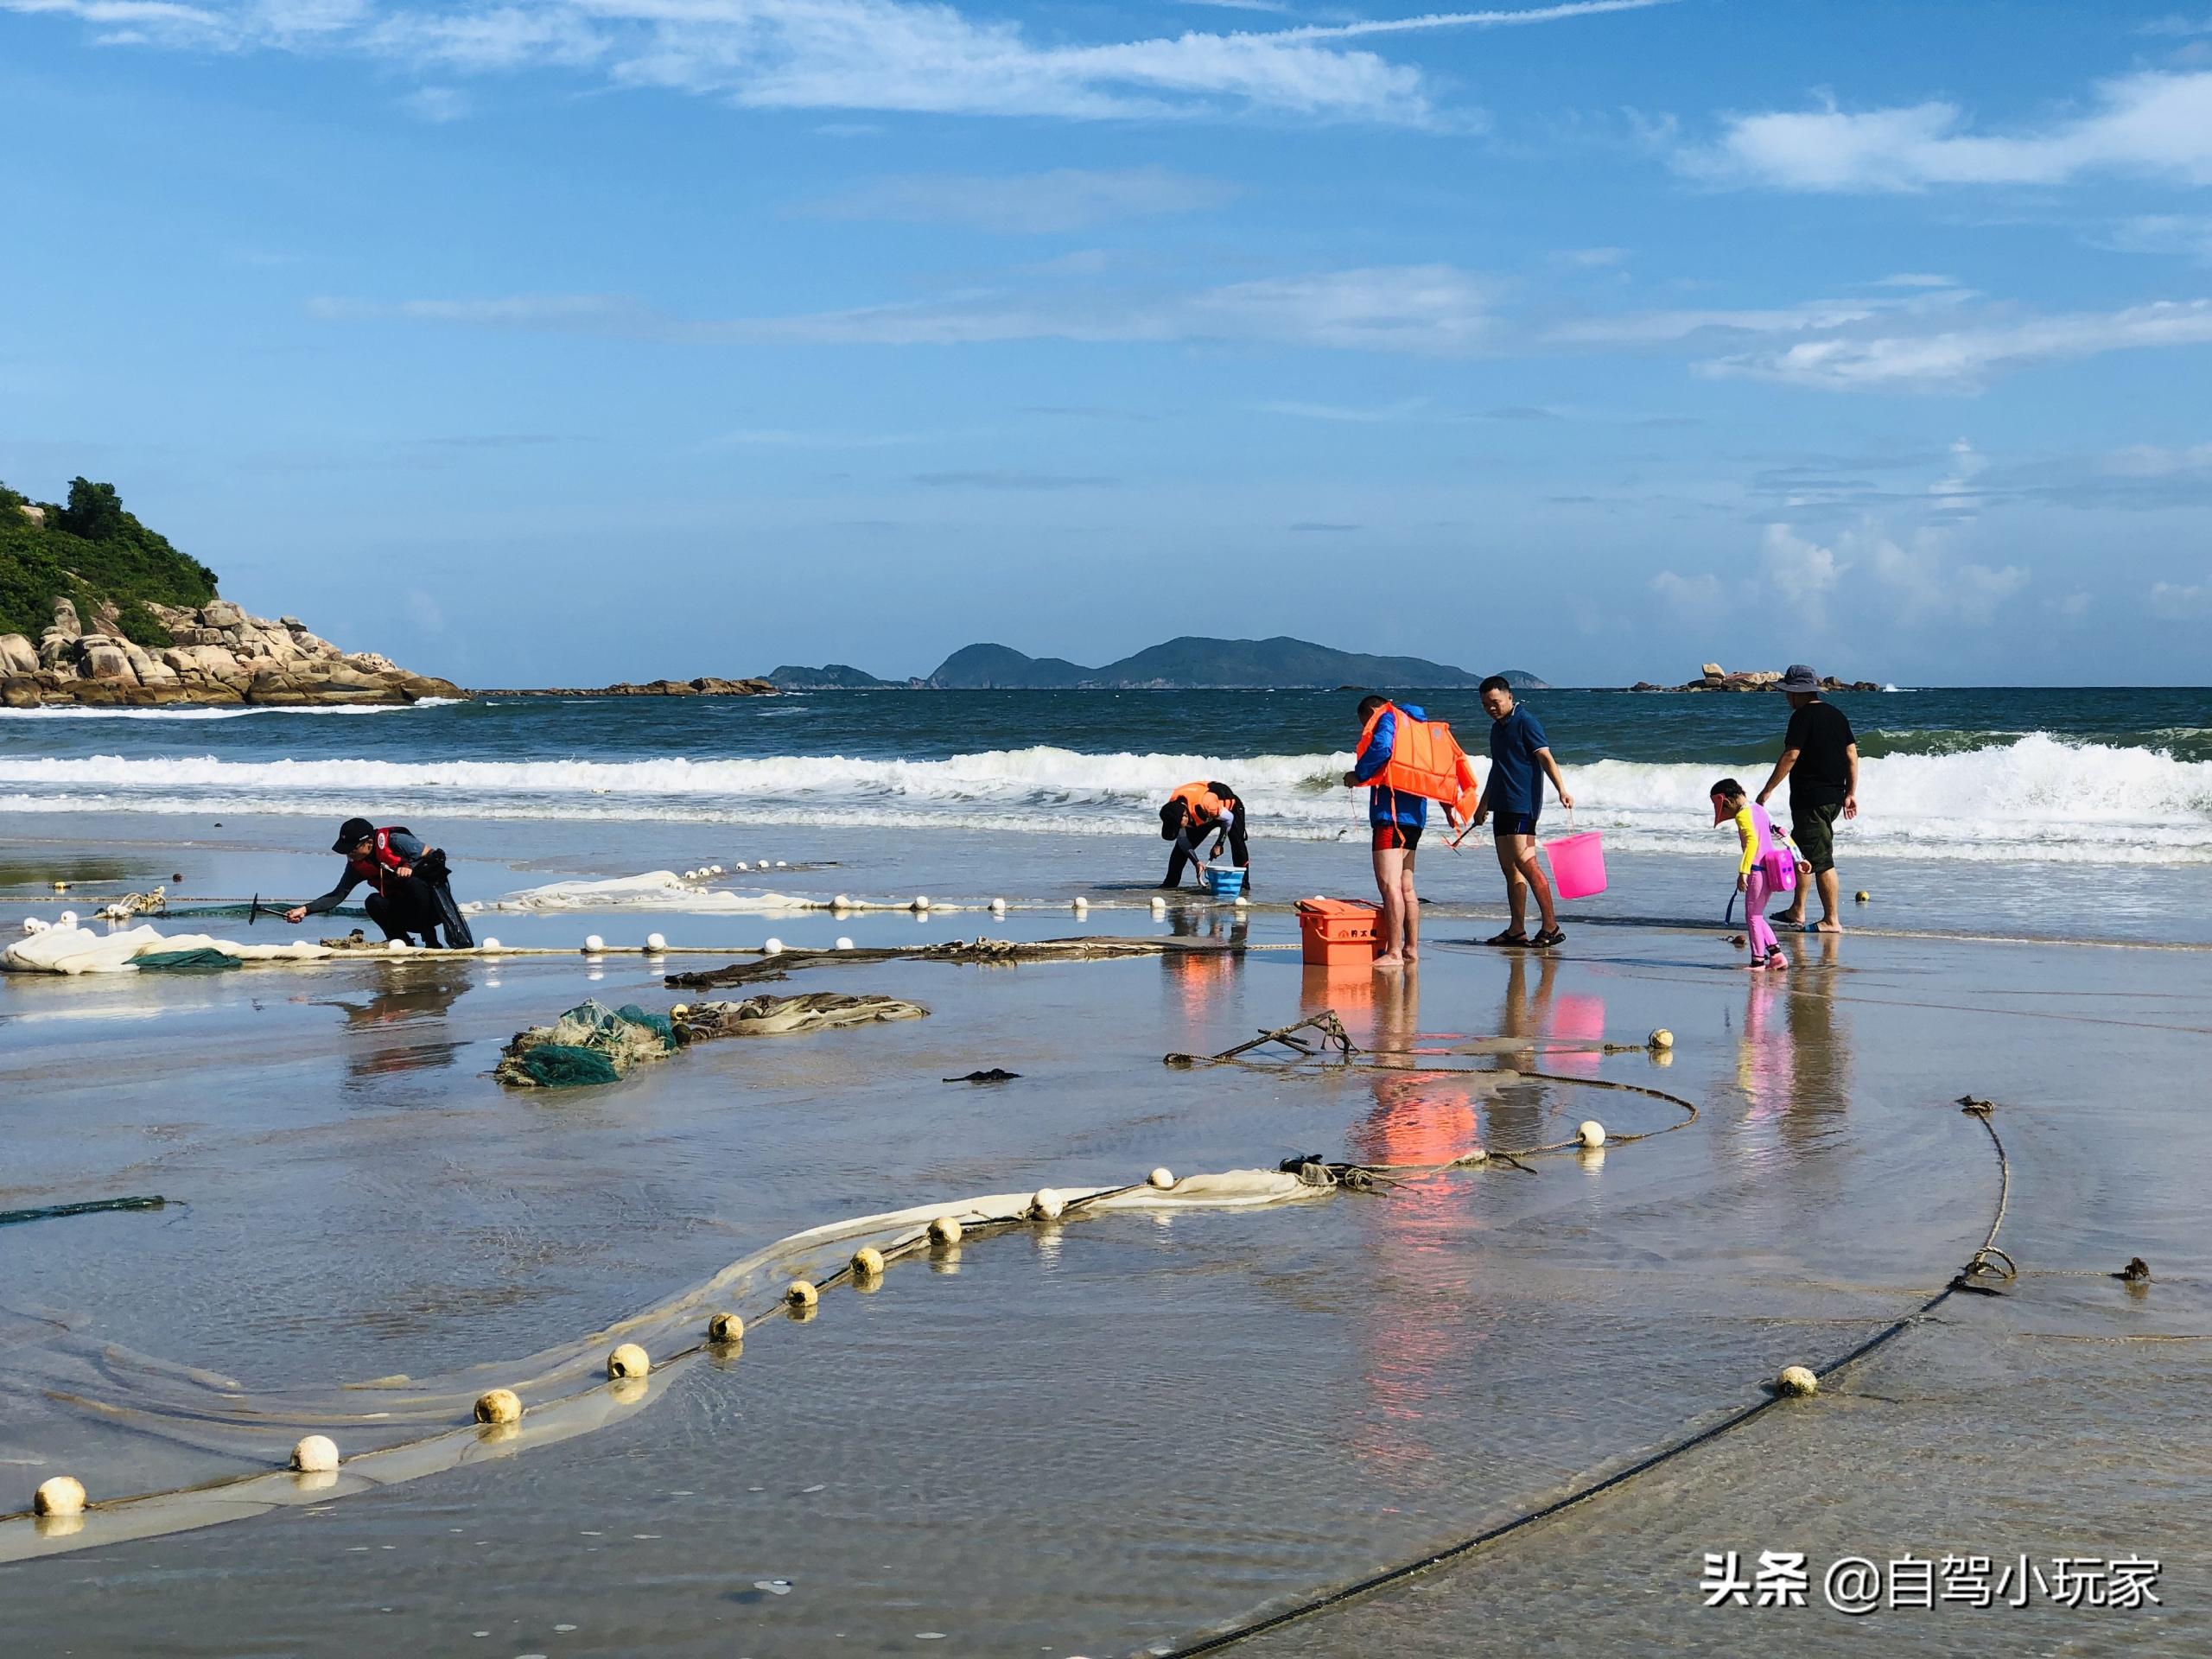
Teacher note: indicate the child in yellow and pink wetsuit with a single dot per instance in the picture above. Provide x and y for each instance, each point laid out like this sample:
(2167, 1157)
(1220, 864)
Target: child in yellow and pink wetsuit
(1767, 866)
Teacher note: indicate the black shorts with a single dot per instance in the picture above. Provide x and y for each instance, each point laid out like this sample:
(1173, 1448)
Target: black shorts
(1812, 826)
(1513, 824)
(1396, 837)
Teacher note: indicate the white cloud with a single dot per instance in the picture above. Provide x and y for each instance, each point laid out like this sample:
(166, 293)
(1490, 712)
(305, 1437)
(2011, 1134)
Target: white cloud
(1968, 464)
(2180, 602)
(1928, 590)
(2150, 461)
(2151, 123)
(1408, 409)
(1427, 310)
(1693, 598)
(1802, 572)
(2072, 607)
(1065, 198)
(2189, 235)
(2175, 24)
(1965, 359)
(1661, 328)
(437, 104)
(1915, 279)
(1922, 587)
(909, 55)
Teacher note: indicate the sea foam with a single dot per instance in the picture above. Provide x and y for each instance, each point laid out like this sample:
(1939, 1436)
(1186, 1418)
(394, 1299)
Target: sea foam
(2037, 798)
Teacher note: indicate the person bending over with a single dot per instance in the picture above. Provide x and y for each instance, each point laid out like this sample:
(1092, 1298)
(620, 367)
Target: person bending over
(1195, 812)
(1513, 795)
(1396, 819)
(403, 900)
(1766, 864)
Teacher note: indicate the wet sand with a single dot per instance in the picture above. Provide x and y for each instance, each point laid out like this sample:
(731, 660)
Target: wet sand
(1126, 1432)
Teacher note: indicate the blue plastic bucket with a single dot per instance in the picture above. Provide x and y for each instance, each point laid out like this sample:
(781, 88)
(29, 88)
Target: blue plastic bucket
(1224, 882)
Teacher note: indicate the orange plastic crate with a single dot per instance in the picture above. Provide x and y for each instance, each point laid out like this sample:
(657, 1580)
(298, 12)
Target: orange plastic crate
(1332, 932)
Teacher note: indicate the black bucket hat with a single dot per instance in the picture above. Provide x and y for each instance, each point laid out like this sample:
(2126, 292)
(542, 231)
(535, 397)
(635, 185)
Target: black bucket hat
(351, 834)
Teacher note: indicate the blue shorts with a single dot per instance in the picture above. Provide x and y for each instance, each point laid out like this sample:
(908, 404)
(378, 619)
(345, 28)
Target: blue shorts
(1514, 823)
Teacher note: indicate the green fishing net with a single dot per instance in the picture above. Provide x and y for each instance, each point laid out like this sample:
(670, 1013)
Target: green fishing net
(589, 1044)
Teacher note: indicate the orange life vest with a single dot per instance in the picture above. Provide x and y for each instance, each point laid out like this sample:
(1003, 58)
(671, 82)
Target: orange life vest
(1201, 805)
(1425, 759)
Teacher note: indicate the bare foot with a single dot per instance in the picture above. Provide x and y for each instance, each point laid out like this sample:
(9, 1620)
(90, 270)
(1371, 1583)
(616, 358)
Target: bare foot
(1391, 961)
(1829, 925)
(1787, 920)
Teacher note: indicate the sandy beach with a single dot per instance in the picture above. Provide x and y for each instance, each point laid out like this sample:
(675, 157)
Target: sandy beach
(1126, 1432)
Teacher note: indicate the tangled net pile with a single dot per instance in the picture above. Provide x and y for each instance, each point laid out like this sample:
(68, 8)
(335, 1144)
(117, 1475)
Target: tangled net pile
(591, 1042)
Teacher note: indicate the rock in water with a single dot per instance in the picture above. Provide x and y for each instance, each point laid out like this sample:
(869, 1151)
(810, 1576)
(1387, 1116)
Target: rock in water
(996, 1074)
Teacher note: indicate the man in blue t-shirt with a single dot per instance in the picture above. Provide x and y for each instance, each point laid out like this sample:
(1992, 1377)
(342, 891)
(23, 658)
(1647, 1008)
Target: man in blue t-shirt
(1513, 794)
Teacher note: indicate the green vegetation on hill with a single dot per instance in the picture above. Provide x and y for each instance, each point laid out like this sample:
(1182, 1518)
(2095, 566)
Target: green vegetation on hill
(94, 553)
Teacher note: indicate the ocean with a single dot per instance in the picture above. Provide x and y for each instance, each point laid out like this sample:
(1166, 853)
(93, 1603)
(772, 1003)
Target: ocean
(2103, 777)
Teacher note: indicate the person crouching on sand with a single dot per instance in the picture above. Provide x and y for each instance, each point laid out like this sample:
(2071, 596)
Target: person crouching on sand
(407, 881)
(1768, 865)
(1396, 819)
(1192, 813)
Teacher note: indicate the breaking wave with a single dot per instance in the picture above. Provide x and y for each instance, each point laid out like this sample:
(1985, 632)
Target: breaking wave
(2031, 796)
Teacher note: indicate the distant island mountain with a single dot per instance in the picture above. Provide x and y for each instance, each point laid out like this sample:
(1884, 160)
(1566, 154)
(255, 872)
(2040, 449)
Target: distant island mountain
(1191, 663)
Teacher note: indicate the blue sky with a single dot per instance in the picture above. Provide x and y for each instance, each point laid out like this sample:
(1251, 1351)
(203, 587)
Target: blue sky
(562, 341)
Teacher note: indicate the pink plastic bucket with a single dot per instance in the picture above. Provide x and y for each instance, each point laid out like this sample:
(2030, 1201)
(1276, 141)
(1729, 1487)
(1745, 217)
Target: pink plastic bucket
(1578, 864)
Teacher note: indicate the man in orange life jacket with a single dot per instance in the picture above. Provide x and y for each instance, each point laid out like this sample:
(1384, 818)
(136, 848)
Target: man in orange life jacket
(1397, 818)
(1195, 812)
(404, 902)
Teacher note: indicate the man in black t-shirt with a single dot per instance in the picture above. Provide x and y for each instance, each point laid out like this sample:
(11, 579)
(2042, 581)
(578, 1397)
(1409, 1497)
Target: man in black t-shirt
(1820, 757)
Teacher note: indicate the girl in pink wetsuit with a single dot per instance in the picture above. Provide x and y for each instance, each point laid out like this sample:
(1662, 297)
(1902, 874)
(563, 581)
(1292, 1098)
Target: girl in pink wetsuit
(1767, 866)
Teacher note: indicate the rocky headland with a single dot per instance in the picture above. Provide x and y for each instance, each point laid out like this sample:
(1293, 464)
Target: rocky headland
(1714, 677)
(96, 609)
(220, 654)
(707, 686)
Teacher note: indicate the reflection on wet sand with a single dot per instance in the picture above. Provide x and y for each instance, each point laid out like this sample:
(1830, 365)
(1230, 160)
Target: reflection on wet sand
(1539, 1014)
(1192, 980)
(1793, 1050)
(1420, 1320)
(374, 1048)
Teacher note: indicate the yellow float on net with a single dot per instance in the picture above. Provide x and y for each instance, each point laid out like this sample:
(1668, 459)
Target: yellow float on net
(498, 1406)
(315, 1455)
(628, 1360)
(63, 1495)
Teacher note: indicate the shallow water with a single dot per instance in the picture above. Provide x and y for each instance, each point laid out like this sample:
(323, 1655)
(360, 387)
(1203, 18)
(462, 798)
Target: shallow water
(1124, 1432)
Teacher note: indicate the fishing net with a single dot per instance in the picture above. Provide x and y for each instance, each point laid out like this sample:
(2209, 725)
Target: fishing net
(206, 960)
(589, 1044)
(777, 1016)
